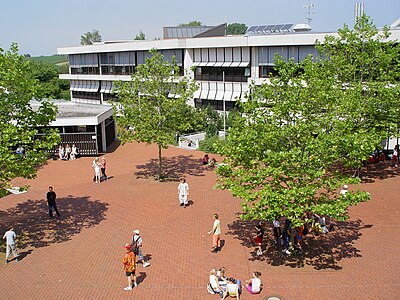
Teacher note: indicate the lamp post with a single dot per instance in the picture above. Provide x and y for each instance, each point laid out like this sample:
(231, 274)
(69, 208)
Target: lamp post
(223, 102)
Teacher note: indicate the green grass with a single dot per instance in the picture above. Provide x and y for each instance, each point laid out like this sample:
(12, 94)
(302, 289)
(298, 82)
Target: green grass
(51, 59)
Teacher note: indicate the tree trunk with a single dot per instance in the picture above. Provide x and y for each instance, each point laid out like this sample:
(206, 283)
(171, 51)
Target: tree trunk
(160, 175)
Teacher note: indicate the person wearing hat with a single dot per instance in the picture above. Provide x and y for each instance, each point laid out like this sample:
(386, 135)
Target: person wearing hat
(137, 242)
(129, 262)
(344, 190)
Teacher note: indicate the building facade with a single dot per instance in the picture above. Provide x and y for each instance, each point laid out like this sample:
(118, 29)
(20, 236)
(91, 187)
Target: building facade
(223, 66)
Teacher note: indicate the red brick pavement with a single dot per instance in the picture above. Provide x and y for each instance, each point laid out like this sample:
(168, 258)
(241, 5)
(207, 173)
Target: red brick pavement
(79, 256)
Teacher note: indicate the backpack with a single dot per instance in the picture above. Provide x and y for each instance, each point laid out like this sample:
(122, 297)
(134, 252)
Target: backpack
(135, 247)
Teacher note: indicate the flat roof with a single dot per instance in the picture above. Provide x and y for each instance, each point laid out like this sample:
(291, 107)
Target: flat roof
(72, 113)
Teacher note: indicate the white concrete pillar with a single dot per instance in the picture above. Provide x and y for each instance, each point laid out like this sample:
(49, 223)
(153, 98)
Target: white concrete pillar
(103, 136)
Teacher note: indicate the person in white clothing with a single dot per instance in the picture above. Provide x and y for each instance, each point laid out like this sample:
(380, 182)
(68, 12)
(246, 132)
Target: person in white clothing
(137, 243)
(216, 231)
(183, 192)
(216, 288)
(10, 237)
(254, 285)
(344, 190)
(96, 167)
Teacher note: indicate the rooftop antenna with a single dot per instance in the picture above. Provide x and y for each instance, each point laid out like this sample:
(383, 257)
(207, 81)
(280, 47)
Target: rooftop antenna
(309, 7)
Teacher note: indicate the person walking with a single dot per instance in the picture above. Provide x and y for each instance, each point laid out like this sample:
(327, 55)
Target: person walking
(103, 168)
(51, 201)
(216, 231)
(344, 190)
(96, 168)
(183, 192)
(260, 229)
(129, 262)
(10, 238)
(137, 244)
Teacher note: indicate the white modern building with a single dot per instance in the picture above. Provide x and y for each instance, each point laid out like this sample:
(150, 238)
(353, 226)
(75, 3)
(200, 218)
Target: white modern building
(223, 66)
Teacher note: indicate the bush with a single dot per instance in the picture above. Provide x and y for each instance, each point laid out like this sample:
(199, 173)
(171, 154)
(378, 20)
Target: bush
(211, 144)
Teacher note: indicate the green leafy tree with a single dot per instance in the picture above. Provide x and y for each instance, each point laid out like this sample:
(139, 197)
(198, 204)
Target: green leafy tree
(152, 107)
(236, 28)
(19, 121)
(191, 24)
(140, 36)
(91, 37)
(302, 135)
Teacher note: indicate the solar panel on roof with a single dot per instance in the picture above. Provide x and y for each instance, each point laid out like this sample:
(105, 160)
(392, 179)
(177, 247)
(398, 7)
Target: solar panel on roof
(261, 28)
(252, 28)
(287, 26)
(269, 27)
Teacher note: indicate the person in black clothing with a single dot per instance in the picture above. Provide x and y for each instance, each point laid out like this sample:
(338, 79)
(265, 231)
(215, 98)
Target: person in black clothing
(51, 200)
(260, 229)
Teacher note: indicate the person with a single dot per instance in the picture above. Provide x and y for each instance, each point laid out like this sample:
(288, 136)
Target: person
(395, 156)
(74, 152)
(322, 223)
(183, 192)
(67, 152)
(260, 229)
(51, 201)
(103, 168)
(20, 150)
(129, 262)
(222, 279)
(216, 231)
(344, 190)
(10, 238)
(233, 288)
(285, 238)
(299, 237)
(254, 284)
(137, 244)
(277, 230)
(212, 162)
(61, 152)
(96, 168)
(205, 159)
(214, 283)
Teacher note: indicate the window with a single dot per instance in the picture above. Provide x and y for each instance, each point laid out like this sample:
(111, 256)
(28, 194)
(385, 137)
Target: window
(239, 74)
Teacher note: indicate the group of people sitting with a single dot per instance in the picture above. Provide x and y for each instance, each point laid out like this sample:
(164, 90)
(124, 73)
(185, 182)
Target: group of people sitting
(228, 286)
(67, 153)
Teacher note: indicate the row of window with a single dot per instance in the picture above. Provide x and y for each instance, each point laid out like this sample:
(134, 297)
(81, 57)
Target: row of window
(216, 104)
(222, 74)
(86, 95)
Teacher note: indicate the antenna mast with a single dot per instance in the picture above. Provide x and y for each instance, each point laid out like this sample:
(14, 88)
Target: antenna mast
(309, 7)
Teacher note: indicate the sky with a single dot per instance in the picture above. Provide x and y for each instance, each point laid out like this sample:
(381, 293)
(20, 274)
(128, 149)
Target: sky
(41, 26)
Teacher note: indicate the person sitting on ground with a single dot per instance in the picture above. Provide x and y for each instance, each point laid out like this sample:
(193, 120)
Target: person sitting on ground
(205, 160)
(74, 152)
(61, 152)
(233, 288)
(214, 284)
(212, 162)
(67, 152)
(222, 279)
(254, 284)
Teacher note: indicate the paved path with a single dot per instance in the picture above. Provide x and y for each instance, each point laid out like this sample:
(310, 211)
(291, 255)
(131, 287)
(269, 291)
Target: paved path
(79, 256)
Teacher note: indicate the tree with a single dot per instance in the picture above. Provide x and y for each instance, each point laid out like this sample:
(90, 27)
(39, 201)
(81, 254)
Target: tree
(152, 106)
(91, 37)
(236, 28)
(300, 136)
(19, 122)
(191, 24)
(51, 87)
(140, 36)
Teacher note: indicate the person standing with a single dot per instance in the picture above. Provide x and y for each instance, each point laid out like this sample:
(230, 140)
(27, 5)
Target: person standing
(137, 244)
(96, 168)
(103, 168)
(260, 229)
(344, 190)
(216, 231)
(183, 192)
(51, 201)
(129, 262)
(10, 237)
(277, 230)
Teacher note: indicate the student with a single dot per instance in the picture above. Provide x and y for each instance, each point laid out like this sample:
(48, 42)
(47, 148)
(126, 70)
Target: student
(216, 231)
(254, 285)
(233, 288)
(10, 237)
(205, 159)
(222, 279)
(214, 283)
(103, 168)
(129, 262)
(96, 168)
(277, 230)
(260, 229)
(183, 192)
(61, 152)
(51, 201)
(344, 190)
(137, 242)
(67, 152)
(74, 152)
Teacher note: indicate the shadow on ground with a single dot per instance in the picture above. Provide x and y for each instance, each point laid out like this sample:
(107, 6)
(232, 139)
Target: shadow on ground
(34, 229)
(173, 168)
(381, 170)
(321, 251)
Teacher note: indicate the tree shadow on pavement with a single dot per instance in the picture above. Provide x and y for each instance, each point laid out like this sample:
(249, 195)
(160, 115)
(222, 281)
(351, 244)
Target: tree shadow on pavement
(34, 229)
(381, 170)
(321, 251)
(173, 168)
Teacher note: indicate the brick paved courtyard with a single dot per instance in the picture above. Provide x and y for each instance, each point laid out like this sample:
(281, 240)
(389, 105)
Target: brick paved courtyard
(79, 256)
